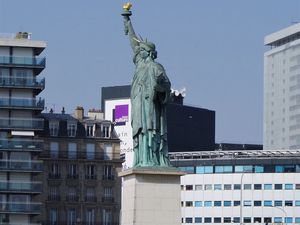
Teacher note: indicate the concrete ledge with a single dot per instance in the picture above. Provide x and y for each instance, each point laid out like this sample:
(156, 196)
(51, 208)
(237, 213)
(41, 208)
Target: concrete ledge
(152, 171)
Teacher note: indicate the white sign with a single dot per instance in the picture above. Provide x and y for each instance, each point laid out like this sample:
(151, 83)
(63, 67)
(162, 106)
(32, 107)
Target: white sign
(119, 112)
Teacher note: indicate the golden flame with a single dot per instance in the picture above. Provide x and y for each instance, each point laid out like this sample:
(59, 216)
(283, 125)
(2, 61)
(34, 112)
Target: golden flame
(127, 6)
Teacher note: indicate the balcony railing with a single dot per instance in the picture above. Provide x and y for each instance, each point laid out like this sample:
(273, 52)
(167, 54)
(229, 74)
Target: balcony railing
(21, 123)
(17, 82)
(90, 198)
(108, 199)
(23, 61)
(21, 144)
(72, 176)
(54, 176)
(23, 103)
(108, 177)
(62, 154)
(72, 198)
(20, 165)
(90, 176)
(53, 197)
(21, 186)
(19, 207)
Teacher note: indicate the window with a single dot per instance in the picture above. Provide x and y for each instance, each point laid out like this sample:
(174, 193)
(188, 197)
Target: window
(90, 217)
(258, 169)
(247, 219)
(247, 186)
(217, 220)
(53, 194)
(297, 203)
(257, 203)
(105, 130)
(53, 128)
(208, 169)
(288, 203)
(227, 203)
(219, 169)
(90, 151)
(54, 171)
(297, 220)
(288, 219)
(278, 186)
(187, 169)
(90, 194)
(207, 219)
(277, 203)
(207, 204)
(247, 203)
(288, 186)
(198, 187)
(236, 219)
(277, 219)
(228, 169)
(108, 151)
(200, 169)
(72, 148)
(71, 217)
(72, 171)
(188, 204)
(236, 203)
(53, 216)
(298, 186)
(227, 220)
(268, 186)
(257, 186)
(198, 220)
(217, 203)
(90, 172)
(188, 220)
(72, 128)
(106, 217)
(217, 187)
(108, 172)
(227, 186)
(267, 203)
(198, 203)
(257, 220)
(207, 187)
(189, 187)
(53, 149)
(90, 130)
(237, 187)
(72, 194)
(108, 193)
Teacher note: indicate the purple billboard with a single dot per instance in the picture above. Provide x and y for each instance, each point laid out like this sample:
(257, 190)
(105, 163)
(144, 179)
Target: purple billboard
(120, 115)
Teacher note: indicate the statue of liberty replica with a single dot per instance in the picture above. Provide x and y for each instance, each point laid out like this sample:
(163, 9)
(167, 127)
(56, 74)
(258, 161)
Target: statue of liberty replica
(150, 91)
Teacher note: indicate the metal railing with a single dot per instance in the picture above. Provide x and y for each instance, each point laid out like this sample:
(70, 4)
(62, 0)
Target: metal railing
(20, 207)
(13, 81)
(21, 186)
(21, 165)
(23, 61)
(62, 154)
(72, 198)
(31, 103)
(54, 198)
(21, 144)
(21, 123)
(108, 199)
(90, 198)
(108, 177)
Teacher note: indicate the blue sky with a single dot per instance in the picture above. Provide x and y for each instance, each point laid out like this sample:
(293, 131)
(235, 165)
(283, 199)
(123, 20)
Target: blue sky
(214, 48)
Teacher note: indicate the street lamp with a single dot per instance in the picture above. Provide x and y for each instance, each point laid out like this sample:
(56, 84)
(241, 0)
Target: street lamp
(282, 210)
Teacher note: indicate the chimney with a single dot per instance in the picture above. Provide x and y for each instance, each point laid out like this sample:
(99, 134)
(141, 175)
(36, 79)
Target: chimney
(63, 110)
(79, 113)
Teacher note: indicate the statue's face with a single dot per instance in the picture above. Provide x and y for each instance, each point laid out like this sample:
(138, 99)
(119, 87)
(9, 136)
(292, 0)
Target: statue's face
(144, 54)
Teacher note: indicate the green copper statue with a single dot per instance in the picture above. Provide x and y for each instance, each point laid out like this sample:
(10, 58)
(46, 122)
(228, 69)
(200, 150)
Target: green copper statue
(150, 91)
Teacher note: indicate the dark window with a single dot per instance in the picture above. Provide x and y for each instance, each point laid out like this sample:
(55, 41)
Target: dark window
(288, 203)
(227, 219)
(278, 203)
(267, 220)
(207, 219)
(188, 220)
(257, 203)
(247, 219)
(278, 186)
(236, 219)
(236, 203)
(217, 220)
(217, 203)
(257, 220)
(237, 187)
(189, 204)
(257, 186)
(189, 187)
(198, 220)
(90, 172)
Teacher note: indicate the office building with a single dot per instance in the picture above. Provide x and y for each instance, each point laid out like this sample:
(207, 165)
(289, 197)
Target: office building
(81, 159)
(240, 187)
(282, 89)
(20, 123)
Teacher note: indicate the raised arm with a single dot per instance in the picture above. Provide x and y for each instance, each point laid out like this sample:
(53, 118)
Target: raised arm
(130, 32)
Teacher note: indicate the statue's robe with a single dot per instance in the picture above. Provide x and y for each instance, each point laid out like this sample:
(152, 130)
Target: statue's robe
(150, 91)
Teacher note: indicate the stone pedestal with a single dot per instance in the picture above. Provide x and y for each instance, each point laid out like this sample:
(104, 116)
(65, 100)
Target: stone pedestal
(151, 196)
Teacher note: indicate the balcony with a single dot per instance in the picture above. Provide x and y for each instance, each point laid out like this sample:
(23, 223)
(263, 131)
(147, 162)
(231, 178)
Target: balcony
(27, 187)
(53, 197)
(62, 154)
(23, 62)
(108, 177)
(20, 208)
(90, 176)
(108, 199)
(72, 198)
(90, 198)
(21, 144)
(21, 123)
(23, 82)
(22, 103)
(21, 165)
